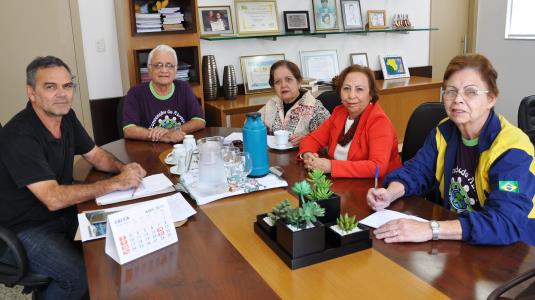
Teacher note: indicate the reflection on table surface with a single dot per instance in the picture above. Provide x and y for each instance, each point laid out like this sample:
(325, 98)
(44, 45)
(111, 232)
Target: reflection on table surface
(218, 255)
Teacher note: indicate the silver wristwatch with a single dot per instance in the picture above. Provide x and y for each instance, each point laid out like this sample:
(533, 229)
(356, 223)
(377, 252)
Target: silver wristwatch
(435, 229)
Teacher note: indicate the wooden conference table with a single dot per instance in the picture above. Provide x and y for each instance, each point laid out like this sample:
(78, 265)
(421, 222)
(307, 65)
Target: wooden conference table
(219, 256)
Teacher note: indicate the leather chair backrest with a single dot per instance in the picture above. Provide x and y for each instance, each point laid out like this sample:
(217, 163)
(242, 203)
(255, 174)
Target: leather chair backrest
(423, 119)
(526, 113)
(120, 105)
(330, 100)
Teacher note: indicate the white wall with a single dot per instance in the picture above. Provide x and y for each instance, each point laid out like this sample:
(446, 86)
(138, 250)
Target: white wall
(413, 46)
(101, 55)
(513, 59)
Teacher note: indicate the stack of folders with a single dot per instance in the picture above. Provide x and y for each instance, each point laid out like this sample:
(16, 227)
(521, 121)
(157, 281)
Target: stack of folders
(172, 18)
(310, 84)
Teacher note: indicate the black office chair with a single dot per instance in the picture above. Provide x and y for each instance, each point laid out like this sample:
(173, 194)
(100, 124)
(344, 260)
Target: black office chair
(526, 113)
(423, 119)
(329, 99)
(528, 293)
(11, 275)
(119, 117)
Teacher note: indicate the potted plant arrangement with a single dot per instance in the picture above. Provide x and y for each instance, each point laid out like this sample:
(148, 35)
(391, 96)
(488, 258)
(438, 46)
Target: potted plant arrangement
(267, 221)
(300, 233)
(317, 187)
(345, 231)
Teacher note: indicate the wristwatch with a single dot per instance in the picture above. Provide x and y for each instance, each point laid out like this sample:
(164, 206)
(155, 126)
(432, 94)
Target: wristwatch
(435, 229)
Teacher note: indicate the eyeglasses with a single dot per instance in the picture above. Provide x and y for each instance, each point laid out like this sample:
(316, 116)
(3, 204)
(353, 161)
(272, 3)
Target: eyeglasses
(159, 66)
(288, 80)
(468, 93)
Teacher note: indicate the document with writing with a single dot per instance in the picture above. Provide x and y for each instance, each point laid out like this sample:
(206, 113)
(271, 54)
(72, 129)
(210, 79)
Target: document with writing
(151, 185)
(378, 218)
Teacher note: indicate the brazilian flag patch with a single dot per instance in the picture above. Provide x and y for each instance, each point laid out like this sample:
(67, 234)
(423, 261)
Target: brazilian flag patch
(509, 186)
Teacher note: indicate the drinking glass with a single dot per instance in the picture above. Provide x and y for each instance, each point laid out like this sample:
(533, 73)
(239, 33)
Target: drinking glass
(243, 166)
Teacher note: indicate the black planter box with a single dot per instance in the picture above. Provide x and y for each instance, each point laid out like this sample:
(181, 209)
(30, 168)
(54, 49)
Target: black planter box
(328, 253)
(270, 230)
(336, 240)
(302, 242)
(332, 208)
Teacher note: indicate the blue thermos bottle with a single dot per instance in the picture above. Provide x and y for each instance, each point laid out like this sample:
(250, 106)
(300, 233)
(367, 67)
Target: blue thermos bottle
(255, 142)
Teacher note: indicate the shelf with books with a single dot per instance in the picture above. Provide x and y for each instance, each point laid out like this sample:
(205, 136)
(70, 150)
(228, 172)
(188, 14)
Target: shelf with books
(149, 17)
(187, 66)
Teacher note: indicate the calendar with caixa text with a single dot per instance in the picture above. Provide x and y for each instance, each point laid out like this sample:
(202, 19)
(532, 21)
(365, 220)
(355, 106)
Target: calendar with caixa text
(140, 230)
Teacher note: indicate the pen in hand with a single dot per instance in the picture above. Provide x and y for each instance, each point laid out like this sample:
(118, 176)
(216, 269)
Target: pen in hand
(136, 189)
(376, 177)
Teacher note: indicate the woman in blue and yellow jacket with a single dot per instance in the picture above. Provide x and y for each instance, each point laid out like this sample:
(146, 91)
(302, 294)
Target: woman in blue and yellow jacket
(482, 165)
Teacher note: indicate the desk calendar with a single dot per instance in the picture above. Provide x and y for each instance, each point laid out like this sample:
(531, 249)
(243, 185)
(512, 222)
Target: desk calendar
(138, 231)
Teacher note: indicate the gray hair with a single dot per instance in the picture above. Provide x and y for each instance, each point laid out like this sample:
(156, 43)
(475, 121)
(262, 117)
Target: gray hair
(42, 63)
(161, 48)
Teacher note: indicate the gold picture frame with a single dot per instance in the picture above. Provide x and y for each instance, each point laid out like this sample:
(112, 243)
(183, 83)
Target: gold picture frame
(257, 17)
(377, 19)
(255, 71)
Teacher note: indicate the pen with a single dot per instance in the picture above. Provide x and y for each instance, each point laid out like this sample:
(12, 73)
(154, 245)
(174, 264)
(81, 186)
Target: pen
(376, 176)
(136, 189)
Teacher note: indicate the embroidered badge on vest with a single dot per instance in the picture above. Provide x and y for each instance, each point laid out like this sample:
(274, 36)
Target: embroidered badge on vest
(509, 186)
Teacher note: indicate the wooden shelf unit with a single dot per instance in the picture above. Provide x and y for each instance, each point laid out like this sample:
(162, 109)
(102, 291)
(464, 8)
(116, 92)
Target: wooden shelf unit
(186, 42)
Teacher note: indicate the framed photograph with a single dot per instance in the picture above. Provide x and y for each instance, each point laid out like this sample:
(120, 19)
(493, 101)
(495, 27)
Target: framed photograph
(215, 20)
(351, 14)
(393, 66)
(321, 65)
(376, 19)
(257, 17)
(255, 71)
(296, 20)
(359, 59)
(325, 15)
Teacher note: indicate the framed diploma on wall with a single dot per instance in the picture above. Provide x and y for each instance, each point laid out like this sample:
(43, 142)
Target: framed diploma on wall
(255, 71)
(257, 17)
(321, 65)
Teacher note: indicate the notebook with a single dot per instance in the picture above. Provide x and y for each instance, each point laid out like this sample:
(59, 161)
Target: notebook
(151, 185)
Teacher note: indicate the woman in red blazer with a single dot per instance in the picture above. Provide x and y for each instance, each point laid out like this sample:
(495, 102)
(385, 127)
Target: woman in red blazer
(359, 135)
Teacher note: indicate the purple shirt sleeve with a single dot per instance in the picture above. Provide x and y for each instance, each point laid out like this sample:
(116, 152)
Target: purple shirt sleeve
(193, 107)
(131, 109)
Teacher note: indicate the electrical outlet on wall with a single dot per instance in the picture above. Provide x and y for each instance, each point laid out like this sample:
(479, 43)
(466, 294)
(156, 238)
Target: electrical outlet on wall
(101, 45)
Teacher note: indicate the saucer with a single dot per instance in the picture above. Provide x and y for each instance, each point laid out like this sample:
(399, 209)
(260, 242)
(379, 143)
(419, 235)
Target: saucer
(169, 161)
(273, 145)
(174, 170)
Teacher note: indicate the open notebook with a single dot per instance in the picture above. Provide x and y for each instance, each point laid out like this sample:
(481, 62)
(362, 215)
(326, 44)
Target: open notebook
(151, 185)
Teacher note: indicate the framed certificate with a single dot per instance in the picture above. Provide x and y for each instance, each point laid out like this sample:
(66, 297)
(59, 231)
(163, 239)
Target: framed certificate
(255, 71)
(257, 17)
(321, 65)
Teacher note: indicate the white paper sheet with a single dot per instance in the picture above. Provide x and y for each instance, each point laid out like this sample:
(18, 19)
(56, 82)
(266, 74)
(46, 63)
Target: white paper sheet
(378, 218)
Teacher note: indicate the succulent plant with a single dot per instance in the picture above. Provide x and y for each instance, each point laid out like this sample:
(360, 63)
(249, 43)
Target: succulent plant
(280, 210)
(308, 213)
(302, 188)
(321, 186)
(347, 223)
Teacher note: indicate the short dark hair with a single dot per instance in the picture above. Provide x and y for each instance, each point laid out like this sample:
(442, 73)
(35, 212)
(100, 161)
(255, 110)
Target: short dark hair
(478, 63)
(374, 92)
(294, 69)
(42, 63)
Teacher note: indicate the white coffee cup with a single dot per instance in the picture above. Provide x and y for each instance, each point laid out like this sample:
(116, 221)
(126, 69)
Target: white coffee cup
(177, 156)
(281, 137)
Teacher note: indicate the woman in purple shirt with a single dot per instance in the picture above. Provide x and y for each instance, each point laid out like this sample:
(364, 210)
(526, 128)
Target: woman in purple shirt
(164, 109)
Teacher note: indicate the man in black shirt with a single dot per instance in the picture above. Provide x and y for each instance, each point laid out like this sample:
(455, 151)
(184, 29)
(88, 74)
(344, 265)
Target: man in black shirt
(37, 197)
